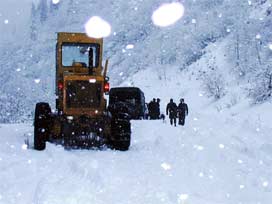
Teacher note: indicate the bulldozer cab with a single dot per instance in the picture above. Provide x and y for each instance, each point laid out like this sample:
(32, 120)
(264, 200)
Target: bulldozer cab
(80, 83)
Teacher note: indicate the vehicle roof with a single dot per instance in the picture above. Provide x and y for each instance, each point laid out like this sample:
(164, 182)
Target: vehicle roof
(116, 89)
(65, 37)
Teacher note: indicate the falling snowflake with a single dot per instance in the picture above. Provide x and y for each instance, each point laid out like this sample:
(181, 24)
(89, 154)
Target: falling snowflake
(241, 186)
(24, 147)
(92, 80)
(182, 198)
(270, 46)
(200, 174)
(258, 36)
(240, 161)
(166, 166)
(55, 1)
(70, 117)
(168, 14)
(265, 183)
(193, 21)
(198, 147)
(37, 81)
(129, 46)
(96, 27)
(6, 21)
(221, 146)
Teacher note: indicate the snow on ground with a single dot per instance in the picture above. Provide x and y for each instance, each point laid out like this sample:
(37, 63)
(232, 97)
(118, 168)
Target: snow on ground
(221, 156)
(212, 160)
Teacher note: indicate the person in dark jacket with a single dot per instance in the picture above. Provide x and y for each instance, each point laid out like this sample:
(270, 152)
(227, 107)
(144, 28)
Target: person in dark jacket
(152, 109)
(182, 112)
(171, 109)
(158, 111)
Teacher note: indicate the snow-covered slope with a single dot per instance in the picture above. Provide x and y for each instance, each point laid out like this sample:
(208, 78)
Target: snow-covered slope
(211, 160)
(222, 155)
(28, 42)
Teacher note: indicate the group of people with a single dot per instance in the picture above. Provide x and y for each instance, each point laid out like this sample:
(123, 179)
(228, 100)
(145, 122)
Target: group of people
(174, 111)
(154, 109)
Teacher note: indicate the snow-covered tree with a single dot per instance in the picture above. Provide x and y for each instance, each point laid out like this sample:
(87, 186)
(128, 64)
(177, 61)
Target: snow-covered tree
(43, 9)
(54, 7)
(213, 80)
(262, 85)
(33, 26)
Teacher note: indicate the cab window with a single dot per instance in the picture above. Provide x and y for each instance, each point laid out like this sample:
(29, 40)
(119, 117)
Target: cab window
(80, 54)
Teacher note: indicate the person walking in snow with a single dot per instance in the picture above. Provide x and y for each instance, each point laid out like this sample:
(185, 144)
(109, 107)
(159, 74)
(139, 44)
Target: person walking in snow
(171, 109)
(158, 111)
(182, 112)
(152, 109)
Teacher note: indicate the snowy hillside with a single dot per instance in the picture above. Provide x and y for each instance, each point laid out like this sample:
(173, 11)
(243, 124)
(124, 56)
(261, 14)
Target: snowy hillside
(221, 156)
(28, 38)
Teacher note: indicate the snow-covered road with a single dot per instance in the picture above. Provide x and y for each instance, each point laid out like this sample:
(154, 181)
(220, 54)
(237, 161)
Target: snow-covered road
(209, 161)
